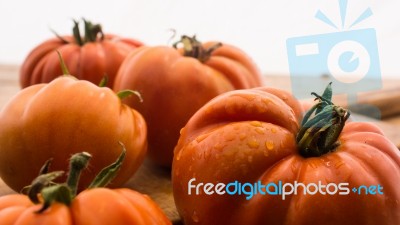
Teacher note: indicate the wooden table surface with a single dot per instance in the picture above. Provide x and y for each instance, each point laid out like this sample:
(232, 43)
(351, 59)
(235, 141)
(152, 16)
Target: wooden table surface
(155, 181)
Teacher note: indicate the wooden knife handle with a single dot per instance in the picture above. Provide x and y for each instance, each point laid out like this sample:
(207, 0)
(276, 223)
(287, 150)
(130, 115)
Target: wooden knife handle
(387, 101)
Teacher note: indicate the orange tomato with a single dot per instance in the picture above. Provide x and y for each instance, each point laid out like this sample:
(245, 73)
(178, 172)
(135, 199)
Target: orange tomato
(94, 206)
(63, 117)
(48, 202)
(254, 136)
(175, 83)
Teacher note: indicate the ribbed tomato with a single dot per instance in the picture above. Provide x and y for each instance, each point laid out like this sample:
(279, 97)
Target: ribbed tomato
(60, 204)
(344, 173)
(95, 206)
(175, 83)
(62, 117)
(90, 57)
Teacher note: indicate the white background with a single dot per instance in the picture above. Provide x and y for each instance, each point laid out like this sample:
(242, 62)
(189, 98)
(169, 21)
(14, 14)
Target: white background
(258, 27)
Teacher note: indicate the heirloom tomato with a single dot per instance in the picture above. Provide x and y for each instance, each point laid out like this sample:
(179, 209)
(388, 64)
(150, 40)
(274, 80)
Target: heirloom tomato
(90, 57)
(62, 117)
(175, 82)
(244, 158)
(59, 204)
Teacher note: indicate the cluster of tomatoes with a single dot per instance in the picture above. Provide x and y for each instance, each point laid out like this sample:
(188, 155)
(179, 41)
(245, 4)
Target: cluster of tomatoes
(203, 112)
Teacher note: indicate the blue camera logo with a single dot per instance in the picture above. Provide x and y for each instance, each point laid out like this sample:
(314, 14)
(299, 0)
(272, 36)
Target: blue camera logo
(350, 59)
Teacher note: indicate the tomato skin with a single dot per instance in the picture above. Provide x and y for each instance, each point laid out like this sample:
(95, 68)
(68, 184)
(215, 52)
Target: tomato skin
(91, 61)
(249, 136)
(94, 206)
(64, 117)
(174, 87)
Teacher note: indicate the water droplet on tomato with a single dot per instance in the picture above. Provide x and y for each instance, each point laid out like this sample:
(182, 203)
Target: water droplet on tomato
(237, 127)
(201, 138)
(178, 157)
(282, 144)
(256, 123)
(273, 130)
(260, 130)
(250, 158)
(253, 143)
(218, 146)
(269, 145)
(266, 101)
(249, 97)
(230, 136)
(195, 217)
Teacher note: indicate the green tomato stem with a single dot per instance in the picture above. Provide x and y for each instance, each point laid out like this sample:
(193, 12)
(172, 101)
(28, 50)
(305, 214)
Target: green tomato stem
(126, 93)
(92, 32)
(107, 174)
(64, 68)
(321, 126)
(55, 193)
(78, 162)
(64, 41)
(39, 183)
(193, 48)
(77, 34)
(104, 81)
(65, 192)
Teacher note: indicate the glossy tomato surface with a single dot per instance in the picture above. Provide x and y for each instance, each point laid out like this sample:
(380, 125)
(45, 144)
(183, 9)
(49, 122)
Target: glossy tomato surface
(175, 86)
(64, 117)
(90, 60)
(249, 137)
(91, 207)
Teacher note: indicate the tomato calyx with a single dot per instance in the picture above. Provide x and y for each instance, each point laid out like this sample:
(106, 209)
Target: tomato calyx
(194, 48)
(93, 33)
(126, 93)
(321, 126)
(44, 190)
